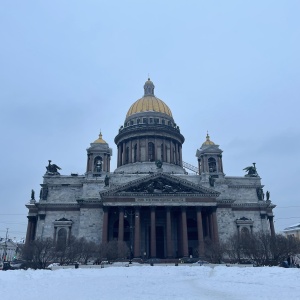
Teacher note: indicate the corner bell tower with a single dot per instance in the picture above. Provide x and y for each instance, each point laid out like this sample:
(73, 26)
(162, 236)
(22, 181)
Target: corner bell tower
(98, 157)
(210, 159)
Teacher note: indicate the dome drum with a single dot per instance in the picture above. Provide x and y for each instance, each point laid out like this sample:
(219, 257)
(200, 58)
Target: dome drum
(149, 134)
(149, 149)
(149, 130)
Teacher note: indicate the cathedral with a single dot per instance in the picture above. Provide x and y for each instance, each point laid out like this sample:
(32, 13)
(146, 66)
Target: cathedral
(159, 205)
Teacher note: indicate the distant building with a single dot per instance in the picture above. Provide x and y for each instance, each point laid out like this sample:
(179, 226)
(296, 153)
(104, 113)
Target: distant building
(8, 249)
(150, 201)
(293, 230)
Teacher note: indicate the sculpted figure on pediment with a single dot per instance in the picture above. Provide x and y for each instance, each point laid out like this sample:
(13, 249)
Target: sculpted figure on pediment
(160, 186)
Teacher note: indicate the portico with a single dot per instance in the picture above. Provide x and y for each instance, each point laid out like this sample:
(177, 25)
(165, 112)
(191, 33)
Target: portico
(165, 223)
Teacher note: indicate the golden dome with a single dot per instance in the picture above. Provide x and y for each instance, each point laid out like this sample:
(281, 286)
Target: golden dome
(149, 102)
(208, 141)
(100, 140)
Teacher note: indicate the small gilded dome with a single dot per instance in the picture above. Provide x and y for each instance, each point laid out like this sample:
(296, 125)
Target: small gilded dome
(149, 102)
(100, 140)
(208, 141)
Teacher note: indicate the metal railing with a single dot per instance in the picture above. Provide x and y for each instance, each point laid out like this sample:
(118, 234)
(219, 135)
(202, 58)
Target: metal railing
(190, 167)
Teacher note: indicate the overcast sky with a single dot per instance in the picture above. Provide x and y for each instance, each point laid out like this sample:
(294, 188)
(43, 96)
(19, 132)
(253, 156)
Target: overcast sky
(71, 68)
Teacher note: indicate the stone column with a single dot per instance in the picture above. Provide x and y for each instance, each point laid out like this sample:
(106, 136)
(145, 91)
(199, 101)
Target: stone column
(29, 230)
(200, 232)
(221, 163)
(206, 164)
(91, 167)
(155, 149)
(104, 163)
(105, 225)
(137, 242)
(169, 232)
(130, 152)
(171, 152)
(121, 224)
(180, 155)
(69, 235)
(239, 231)
(272, 226)
(107, 163)
(164, 150)
(176, 153)
(215, 225)
(147, 150)
(33, 228)
(185, 247)
(54, 235)
(207, 224)
(124, 154)
(153, 234)
(138, 151)
(211, 226)
(199, 166)
(120, 155)
(88, 162)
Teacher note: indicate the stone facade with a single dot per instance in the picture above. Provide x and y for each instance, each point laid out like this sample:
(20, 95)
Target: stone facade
(150, 201)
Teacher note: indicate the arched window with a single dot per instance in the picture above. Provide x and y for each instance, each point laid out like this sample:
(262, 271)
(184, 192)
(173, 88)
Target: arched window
(162, 152)
(245, 231)
(127, 155)
(61, 239)
(135, 153)
(98, 164)
(212, 165)
(151, 152)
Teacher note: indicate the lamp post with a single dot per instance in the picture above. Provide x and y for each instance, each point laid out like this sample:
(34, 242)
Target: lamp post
(130, 213)
(5, 247)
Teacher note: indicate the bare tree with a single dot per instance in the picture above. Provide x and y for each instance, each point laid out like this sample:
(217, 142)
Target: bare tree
(113, 250)
(233, 248)
(87, 250)
(39, 253)
(283, 247)
(68, 252)
(214, 251)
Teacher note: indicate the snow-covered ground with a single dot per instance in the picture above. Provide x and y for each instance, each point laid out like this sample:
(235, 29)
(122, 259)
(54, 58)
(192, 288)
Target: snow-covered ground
(152, 282)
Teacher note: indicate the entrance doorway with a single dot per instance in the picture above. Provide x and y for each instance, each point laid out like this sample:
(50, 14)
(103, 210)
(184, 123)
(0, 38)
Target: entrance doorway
(160, 242)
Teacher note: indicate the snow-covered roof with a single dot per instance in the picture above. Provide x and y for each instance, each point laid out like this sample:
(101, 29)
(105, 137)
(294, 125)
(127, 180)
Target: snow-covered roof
(292, 227)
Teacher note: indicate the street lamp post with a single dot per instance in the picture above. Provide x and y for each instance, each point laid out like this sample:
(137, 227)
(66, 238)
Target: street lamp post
(130, 213)
(5, 247)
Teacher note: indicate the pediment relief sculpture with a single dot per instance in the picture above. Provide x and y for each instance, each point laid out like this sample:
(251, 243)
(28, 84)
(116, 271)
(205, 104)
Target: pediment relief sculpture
(160, 186)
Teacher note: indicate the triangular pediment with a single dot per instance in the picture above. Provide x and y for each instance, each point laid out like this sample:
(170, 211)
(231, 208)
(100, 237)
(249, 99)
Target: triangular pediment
(161, 184)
